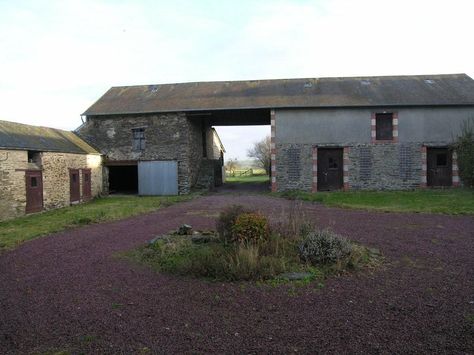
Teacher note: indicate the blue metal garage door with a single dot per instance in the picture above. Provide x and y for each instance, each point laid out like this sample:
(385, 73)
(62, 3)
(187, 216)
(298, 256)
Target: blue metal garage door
(157, 178)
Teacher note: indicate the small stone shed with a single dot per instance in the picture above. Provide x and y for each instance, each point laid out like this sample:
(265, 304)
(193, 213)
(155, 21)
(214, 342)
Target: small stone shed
(388, 132)
(44, 168)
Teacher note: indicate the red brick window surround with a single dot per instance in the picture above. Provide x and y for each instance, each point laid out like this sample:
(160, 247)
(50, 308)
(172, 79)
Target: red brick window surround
(273, 151)
(384, 127)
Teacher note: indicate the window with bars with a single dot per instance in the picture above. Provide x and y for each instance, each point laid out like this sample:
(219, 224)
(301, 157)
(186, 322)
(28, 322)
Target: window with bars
(138, 139)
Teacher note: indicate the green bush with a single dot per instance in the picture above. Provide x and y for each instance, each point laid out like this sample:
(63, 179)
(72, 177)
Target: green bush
(324, 247)
(250, 228)
(227, 219)
(464, 147)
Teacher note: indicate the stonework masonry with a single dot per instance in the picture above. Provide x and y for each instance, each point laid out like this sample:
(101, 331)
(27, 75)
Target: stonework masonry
(294, 167)
(56, 189)
(12, 183)
(55, 170)
(171, 136)
(366, 166)
(385, 166)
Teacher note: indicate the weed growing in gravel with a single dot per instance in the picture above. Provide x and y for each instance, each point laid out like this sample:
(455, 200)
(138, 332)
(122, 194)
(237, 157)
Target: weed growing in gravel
(470, 318)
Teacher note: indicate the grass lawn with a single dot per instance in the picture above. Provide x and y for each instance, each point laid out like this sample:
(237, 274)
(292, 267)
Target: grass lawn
(19, 230)
(449, 201)
(245, 179)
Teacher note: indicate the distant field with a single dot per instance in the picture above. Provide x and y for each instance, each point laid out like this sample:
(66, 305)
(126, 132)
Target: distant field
(246, 171)
(245, 179)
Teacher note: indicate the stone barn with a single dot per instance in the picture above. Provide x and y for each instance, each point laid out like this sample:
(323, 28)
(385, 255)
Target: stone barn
(153, 153)
(390, 132)
(43, 168)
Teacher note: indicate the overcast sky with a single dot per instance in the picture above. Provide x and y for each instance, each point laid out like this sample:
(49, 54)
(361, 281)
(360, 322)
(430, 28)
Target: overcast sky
(58, 57)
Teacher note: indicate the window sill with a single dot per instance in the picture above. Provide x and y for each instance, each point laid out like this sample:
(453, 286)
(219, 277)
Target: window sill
(382, 141)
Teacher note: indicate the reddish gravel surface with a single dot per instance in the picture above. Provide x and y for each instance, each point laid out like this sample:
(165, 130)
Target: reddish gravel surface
(68, 292)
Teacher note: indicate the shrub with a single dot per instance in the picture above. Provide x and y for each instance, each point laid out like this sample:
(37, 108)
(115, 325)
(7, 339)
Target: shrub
(324, 247)
(464, 147)
(250, 228)
(227, 219)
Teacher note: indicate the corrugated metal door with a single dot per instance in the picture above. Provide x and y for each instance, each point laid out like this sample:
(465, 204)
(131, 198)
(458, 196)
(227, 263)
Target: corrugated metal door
(158, 178)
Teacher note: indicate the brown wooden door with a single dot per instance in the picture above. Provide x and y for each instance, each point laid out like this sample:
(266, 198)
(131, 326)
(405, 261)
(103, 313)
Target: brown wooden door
(34, 191)
(86, 184)
(74, 185)
(440, 167)
(330, 169)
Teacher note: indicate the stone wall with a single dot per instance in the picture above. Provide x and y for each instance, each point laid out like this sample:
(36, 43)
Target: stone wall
(56, 189)
(385, 166)
(170, 136)
(294, 167)
(369, 167)
(55, 170)
(195, 151)
(12, 183)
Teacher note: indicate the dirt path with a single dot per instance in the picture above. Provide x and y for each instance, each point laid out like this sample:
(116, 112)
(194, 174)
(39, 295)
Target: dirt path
(68, 292)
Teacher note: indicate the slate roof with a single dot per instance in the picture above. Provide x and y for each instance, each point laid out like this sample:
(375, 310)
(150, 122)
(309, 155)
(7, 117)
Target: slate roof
(26, 137)
(417, 90)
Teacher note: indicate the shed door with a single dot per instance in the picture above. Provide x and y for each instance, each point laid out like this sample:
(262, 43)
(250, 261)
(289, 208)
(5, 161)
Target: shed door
(86, 184)
(74, 186)
(440, 167)
(330, 173)
(34, 191)
(158, 178)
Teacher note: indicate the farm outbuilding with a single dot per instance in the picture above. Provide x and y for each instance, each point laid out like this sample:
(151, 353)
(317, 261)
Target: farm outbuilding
(389, 132)
(44, 168)
(155, 153)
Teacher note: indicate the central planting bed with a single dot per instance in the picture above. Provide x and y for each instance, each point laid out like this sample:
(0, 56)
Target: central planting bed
(246, 247)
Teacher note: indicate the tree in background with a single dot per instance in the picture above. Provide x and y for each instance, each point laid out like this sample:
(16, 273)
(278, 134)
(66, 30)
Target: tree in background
(464, 147)
(261, 151)
(230, 166)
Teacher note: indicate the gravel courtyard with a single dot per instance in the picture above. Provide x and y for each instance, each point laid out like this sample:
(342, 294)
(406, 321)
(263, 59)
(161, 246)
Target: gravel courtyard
(69, 292)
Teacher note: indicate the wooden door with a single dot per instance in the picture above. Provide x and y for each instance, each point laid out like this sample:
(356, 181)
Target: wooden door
(86, 184)
(330, 169)
(440, 167)
(34, 191)
(74, 186)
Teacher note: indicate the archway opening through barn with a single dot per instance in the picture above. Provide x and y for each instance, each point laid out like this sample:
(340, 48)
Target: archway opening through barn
(238, 132)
